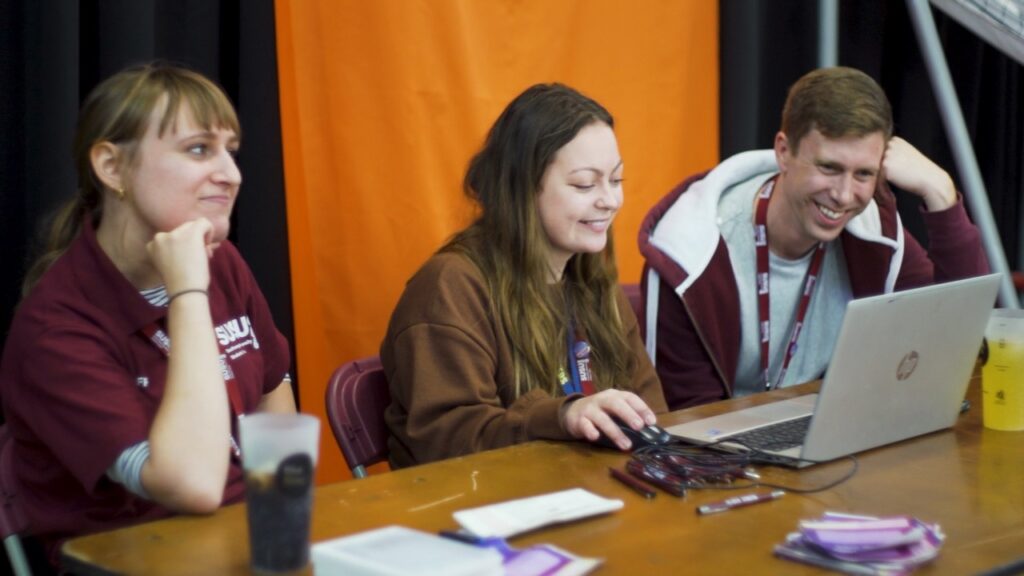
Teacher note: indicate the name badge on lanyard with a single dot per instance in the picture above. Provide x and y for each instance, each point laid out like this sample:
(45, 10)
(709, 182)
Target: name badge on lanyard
(580, 379)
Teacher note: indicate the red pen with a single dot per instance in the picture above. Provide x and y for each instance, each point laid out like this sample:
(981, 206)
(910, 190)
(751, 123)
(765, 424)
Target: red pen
(639, 486)
(738, 501)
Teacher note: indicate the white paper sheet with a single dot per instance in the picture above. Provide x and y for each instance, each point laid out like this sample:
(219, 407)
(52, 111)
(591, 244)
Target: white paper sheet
(517, 516)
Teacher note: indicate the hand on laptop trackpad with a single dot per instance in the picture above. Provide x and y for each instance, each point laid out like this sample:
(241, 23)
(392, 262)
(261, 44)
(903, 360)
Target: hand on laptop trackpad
(652, 435)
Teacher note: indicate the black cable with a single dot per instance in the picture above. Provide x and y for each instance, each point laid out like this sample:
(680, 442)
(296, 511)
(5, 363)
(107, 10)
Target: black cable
(694, 467)
(850, 474)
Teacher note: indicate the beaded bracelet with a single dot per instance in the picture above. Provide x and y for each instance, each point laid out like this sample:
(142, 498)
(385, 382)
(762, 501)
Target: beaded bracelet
(186, 291)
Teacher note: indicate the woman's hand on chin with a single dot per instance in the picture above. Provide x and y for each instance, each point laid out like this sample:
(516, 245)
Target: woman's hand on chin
(182, 255)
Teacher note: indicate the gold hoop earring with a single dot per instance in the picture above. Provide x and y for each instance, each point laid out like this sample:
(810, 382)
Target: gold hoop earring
(120, 193)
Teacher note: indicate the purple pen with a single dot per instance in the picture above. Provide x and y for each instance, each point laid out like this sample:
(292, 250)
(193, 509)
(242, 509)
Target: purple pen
(738, 501)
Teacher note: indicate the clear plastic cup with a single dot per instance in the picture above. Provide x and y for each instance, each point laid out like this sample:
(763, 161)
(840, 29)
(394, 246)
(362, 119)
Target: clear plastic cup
(279, 453)
(1002, 376)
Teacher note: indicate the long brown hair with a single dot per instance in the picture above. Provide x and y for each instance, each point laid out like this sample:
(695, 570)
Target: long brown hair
(118, 111)
(507, 242)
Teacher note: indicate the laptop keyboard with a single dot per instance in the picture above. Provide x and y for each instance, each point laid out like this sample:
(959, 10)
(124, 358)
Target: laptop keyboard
(775, 437)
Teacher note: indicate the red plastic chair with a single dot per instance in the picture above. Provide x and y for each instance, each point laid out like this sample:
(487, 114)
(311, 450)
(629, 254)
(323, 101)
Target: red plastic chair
(356, 397)
(12, 519)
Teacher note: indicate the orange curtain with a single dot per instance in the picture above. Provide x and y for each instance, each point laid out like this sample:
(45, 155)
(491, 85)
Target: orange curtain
(383, 103)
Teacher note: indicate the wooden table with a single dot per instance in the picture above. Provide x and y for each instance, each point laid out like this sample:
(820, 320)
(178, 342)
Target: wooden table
(970, 480)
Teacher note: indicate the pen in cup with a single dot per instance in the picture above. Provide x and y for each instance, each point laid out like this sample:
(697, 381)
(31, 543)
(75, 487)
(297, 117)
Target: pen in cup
(637, 485)
(738, 501)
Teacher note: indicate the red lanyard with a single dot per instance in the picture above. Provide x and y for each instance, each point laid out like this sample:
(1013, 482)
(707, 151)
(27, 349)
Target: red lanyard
(159, 338)
(763, 302)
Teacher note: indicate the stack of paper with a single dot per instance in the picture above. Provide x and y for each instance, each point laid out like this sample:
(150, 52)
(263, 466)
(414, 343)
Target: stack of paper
(397, 551)
(863, 544)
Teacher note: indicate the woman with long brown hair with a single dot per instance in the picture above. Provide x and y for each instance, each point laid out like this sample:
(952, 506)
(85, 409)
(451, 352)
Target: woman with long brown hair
(517, 329)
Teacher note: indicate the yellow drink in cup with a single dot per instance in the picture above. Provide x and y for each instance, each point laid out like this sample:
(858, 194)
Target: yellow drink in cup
(1002, 376)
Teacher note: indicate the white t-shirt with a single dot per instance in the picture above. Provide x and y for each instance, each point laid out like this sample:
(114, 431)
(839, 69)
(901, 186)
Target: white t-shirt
(824, 315)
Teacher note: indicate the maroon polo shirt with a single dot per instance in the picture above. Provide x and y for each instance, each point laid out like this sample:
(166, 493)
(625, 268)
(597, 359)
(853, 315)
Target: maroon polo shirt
(80, 382)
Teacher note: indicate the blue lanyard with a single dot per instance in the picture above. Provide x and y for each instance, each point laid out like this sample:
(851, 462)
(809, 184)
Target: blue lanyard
(574, 370)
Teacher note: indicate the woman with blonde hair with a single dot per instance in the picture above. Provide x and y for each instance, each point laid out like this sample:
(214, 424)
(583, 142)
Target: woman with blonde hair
(517, 329)
(141, 335)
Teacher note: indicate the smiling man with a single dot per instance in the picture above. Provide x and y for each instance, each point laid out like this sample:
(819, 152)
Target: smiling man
(749, 266)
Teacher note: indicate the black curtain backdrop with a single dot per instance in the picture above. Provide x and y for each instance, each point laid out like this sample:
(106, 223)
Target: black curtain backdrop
(53, 52)
(767, 44)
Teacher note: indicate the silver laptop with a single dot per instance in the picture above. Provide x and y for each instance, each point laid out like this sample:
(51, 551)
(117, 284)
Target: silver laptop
(900, 368)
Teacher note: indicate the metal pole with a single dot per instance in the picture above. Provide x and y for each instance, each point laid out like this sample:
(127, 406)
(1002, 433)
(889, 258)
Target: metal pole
(963, 151)
(828, 33)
